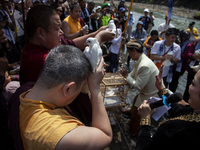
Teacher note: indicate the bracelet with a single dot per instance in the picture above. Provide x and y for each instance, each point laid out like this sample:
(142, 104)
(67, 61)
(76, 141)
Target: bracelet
(145, 122)
(162, 92)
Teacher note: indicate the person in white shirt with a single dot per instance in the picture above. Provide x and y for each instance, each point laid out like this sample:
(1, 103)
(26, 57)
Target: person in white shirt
(160, 52)
(130, 25)
(162, 28)
(114, 48)
(142, 78)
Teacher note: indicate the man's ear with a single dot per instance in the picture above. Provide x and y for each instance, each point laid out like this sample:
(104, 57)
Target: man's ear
(69, 88)
(41, 33)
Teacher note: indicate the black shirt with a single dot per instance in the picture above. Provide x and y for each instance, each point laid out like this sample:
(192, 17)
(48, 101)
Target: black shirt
(178, 133)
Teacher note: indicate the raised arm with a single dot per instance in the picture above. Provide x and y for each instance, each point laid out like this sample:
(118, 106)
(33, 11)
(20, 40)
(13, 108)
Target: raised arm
(99, 135)
(102, 36)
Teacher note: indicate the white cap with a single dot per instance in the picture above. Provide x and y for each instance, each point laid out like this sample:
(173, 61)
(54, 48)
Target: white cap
(36, 1)
(17, 1)
(98, 7)
(146, 10)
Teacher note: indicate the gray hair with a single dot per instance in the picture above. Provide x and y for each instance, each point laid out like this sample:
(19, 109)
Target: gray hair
(64, 64)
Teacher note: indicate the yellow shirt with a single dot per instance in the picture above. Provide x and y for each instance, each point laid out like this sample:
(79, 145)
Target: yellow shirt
(194, 31)
(74, 26)
(42, 125)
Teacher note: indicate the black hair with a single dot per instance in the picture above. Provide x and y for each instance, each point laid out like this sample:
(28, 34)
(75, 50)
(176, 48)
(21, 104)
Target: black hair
(192, 24)
(64, 63)
(154, 32)
(91, 2)
(184, 36)
(38, 16)
(74, 5)
(171, 31)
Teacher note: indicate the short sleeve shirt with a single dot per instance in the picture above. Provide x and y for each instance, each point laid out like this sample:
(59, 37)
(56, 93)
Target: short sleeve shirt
(42, 125)
(75, 26)
(176, 53)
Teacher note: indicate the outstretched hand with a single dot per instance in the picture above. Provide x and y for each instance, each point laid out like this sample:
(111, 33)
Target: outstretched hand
(103, 28)
(105, 36)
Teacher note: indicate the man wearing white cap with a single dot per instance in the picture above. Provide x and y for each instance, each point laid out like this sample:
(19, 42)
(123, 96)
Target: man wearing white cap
(145, 19)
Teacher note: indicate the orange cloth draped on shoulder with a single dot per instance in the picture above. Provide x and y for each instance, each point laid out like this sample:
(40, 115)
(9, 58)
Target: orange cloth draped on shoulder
(158, 64)
(42, 125)
(150, 42)
(75, 26)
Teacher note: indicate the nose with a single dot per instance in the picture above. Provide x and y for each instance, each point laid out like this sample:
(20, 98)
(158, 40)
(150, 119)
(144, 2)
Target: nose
(61, 32)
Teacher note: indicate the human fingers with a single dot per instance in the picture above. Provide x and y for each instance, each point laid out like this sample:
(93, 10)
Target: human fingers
(101, 65)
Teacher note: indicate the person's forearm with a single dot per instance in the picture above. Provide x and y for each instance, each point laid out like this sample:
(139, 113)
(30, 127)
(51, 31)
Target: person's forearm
(156, 57)
(195, 34)
(100, 118)
(80, 41)
(147, 46)
(174, 60)
(72, 36)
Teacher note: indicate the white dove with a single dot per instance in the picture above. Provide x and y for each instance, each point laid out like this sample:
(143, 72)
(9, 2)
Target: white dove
(111, 26)
(85, 27)
(93, 52)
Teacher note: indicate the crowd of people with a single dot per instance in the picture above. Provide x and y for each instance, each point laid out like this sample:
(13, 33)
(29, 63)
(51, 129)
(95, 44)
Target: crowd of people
(43, 72)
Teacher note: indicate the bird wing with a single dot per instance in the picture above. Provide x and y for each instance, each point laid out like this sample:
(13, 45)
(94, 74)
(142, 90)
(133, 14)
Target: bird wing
(86, 52)
(99, 54)
(93, 58)
(112, 27)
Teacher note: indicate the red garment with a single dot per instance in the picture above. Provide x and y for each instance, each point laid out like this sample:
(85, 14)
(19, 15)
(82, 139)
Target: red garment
(82, 22)
(32, 60)
(187, 57)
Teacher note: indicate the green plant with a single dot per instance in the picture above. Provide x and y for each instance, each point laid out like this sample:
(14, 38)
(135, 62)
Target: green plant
(197, 16)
